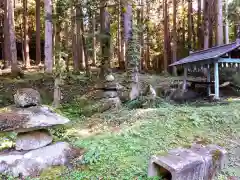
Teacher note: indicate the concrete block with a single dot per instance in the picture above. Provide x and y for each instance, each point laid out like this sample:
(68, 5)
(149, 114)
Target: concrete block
(197, 163)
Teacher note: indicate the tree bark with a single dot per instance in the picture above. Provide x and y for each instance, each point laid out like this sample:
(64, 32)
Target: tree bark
(48, 49)
(79, 36)
(166, 37)
(199, 21)
(74, 40)
(84, 44)
(38, 33)
(119, 40)
(12, 37)
(219, 22)
(26, 37)
(147, 38)
(105, 37)
(142, 36)
(206, 24)
(7, 58)
(190, 24)
(174, 47)
(211, 17)
(94, 39)
(226, 23)
(66, 44)
(183, 25)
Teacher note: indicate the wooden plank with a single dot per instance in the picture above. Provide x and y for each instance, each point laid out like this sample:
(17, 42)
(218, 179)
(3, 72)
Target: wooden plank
(216, 77)
(229, 60)
(208, 80)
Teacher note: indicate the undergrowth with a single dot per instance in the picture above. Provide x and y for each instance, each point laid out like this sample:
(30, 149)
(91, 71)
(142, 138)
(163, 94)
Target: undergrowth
(143, 132)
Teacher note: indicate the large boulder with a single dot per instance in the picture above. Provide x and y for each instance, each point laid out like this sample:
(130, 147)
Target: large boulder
(29, 119)
(33, 162)
(27, 97)
(33, 140)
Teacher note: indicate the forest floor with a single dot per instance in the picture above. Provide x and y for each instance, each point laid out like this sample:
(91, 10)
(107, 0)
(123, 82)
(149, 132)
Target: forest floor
(120, 142)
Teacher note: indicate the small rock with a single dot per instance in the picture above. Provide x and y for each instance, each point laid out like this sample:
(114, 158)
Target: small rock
(27, 97)
(33, 140)
(109, 78)
(29, 119)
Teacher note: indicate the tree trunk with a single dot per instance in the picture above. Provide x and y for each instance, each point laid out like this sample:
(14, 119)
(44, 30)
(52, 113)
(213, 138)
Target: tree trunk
(211, 18)
(66, 44)
(174, 50)
(190, 24)
(105, 37)
(84, 44)
(7, 58)
(166, 37)
(227, 24)
(13, 49)
(199, 21)
(26, 37)
(94, 39)
(142, 36)
(54, 34)
(147, 38)
(219, 23)
(119, 40)
(206, 24)
(183, 25)
(38, 33)
(48, 50)
(79, 36)
(74, 41)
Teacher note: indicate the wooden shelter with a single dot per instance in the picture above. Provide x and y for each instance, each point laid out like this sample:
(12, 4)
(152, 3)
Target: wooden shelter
(227, 55)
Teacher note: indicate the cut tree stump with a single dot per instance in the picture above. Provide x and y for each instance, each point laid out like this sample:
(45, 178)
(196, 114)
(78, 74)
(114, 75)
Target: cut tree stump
(197, 163)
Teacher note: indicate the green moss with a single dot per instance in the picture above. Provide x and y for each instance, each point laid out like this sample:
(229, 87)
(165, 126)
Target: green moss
(216, 155)
(203, 141)
(52, 173)
(187, 146)
(162, 153)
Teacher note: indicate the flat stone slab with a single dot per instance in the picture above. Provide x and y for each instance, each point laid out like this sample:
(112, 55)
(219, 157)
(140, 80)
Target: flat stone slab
(31, 163)
(29, 119)
(33, 140)
(198, 162)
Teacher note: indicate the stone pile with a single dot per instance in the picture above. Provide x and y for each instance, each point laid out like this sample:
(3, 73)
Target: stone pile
(34, 150)
(107, 92)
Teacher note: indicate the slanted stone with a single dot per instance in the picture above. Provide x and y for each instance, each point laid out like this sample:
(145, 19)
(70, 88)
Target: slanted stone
(33, 140)
(29, 119)
(27, 97)
(113, 86)
(31, 163)
(110, 94)
(188, 164)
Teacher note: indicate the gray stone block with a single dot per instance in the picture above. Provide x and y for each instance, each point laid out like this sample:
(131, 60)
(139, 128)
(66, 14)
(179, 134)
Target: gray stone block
(197, 163)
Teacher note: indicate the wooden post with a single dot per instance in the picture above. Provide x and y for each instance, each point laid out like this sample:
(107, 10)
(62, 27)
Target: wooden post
(209, 79)
(216, 78)
(185, 78)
